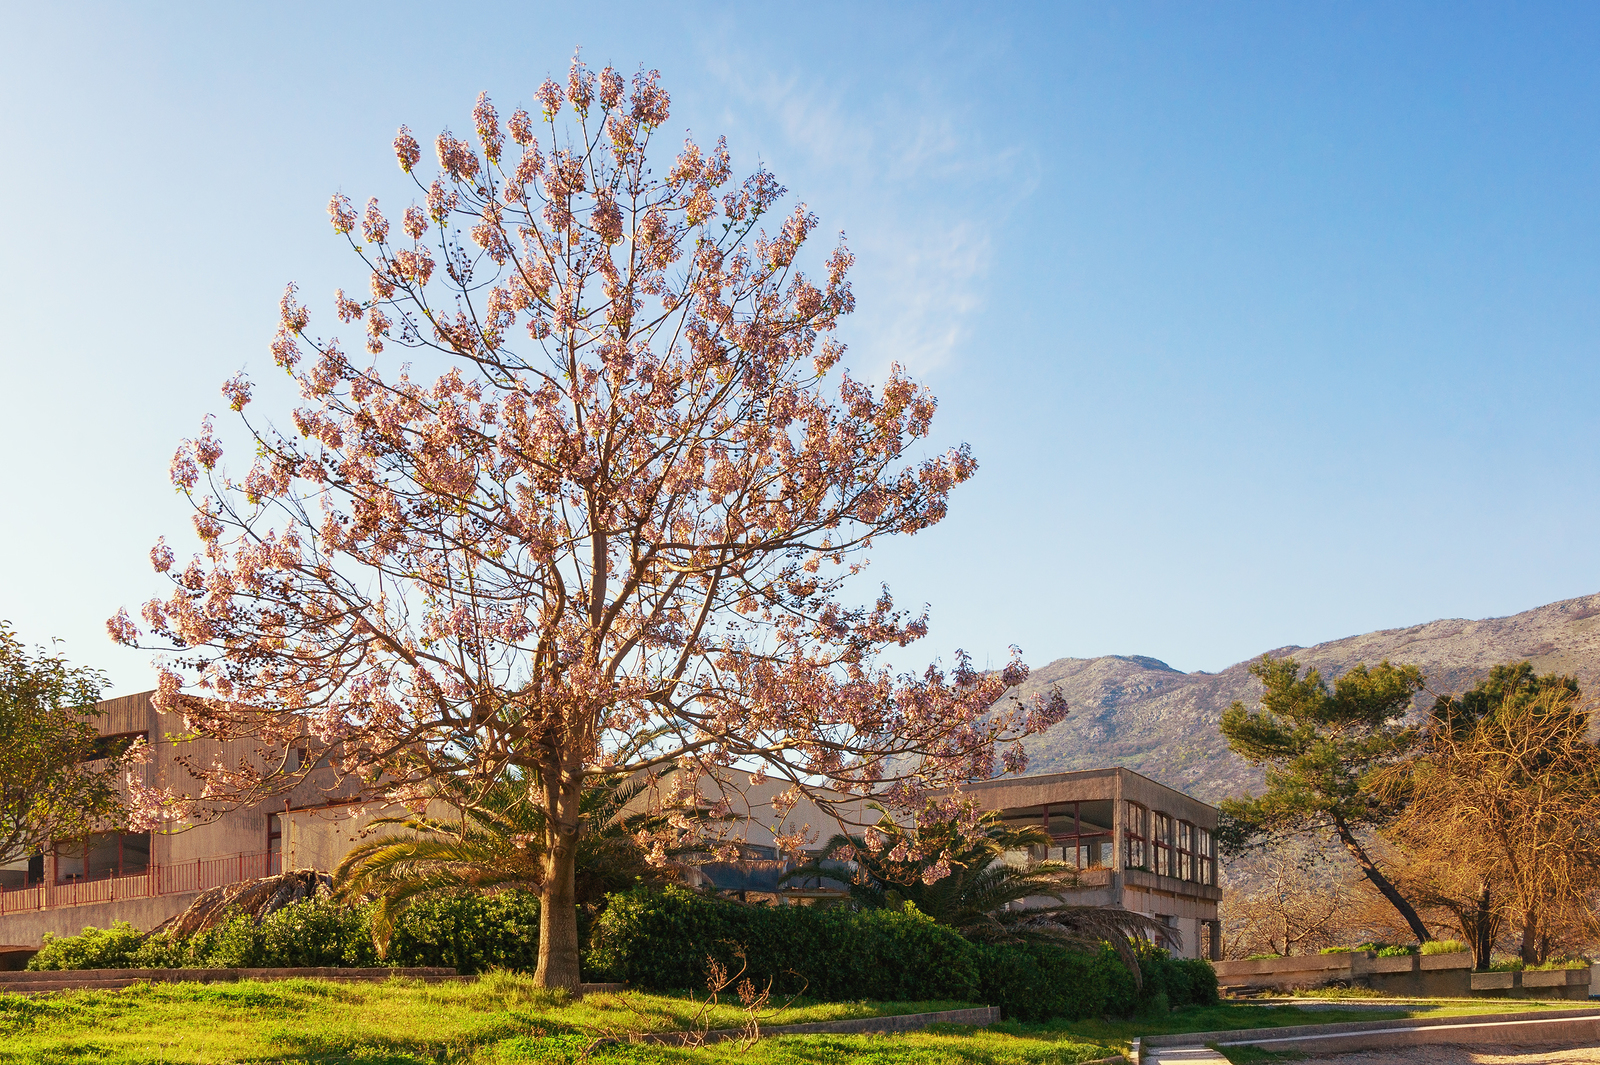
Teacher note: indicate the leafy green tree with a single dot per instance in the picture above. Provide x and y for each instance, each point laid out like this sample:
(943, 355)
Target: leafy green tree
(496, 842)
(1514, 684)
(1318, 746)
(52, 784)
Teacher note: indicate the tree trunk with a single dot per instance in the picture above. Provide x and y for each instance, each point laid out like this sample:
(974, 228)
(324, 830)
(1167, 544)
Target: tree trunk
(558, 902)
(1530, 939)
(1381, 882)
(1482, 933)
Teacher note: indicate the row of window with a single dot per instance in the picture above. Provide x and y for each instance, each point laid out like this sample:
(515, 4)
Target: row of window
(102, 855)
(1080, 834)
(1169, 847)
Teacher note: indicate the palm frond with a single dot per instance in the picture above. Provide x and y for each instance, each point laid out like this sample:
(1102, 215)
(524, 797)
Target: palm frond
(496, 841)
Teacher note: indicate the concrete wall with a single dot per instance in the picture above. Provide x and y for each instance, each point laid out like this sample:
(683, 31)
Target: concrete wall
(214, 832)
(1090, 785)
(28, 928)
(1546, 984)
(1437, 975)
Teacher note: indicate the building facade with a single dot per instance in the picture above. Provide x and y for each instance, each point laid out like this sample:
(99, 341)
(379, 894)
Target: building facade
(145, 878)
(1135, 844)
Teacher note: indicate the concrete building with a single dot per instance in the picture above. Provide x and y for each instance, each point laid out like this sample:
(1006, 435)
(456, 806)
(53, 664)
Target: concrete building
(1135, 843)
(146, 877)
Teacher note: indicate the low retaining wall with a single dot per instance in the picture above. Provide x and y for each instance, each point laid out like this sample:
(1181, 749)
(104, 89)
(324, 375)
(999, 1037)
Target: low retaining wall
(1432, 975)
(108, 979)
(1425, 976)
(27, 928)
(1535, 983)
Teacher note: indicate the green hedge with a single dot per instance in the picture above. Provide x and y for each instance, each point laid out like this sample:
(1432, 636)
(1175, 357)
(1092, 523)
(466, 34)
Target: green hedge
(468, 931)
(1040, 981)
(660, 939)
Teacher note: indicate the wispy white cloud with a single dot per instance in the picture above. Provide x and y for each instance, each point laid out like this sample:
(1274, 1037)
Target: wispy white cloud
(908, 173)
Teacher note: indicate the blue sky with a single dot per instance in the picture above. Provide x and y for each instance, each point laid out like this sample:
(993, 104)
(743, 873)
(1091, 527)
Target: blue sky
(1268, 324)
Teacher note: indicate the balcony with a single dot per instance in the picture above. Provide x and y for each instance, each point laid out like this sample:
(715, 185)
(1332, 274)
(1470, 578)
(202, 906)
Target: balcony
(1171, 885)
(202, 874)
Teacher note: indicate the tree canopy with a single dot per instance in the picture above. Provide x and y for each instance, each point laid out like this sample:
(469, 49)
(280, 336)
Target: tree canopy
(616, 488)
(56, 781)
(1318, 744)
(1504, 795)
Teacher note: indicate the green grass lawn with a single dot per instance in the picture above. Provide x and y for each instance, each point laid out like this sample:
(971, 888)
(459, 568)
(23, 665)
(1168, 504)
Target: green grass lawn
(500, 1019)
(503, 1018)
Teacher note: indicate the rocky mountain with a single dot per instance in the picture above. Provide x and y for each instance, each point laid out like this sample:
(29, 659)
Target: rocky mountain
(1141, 713)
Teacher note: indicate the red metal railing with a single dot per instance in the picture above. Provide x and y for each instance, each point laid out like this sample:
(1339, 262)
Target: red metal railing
(202, 874)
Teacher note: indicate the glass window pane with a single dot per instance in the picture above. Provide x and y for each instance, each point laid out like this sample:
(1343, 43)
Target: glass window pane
(69, 862)
(14, 875)
(1095, 817)
(102, 855)
(135, 853)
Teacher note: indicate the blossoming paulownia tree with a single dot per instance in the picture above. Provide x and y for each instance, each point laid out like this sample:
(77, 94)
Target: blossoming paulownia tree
(609, 535)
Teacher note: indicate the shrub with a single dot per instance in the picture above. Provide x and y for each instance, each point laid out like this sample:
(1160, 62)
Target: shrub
(1444, 946)
(1041, 981)
(1396, 952)
(1182, 981)
(1559, 963)
(1202, 980)
(93, 948)
(661, 940)
(470, 931)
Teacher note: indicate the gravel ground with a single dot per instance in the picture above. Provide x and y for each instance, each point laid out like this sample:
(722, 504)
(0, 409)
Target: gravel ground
(1460, 1055)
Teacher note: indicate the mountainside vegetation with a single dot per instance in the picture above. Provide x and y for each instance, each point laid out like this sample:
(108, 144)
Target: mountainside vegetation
(1141, 713)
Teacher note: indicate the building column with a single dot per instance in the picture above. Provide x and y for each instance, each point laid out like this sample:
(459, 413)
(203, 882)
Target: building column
(1215, 928)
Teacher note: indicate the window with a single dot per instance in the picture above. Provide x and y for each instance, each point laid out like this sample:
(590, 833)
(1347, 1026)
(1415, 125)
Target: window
(102, 855)
(274, 834)
(1185, 869)
(1206, 855)
(1162, 840)
(1080, 832)
(1136, 833)
(22, 873)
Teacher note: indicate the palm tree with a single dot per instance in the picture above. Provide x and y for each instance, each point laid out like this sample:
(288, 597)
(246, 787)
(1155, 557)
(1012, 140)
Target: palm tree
(496, 843)
(962, 879)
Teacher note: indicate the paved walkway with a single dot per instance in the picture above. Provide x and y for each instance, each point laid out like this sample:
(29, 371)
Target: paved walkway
(1416, 1055)
(1459, 1055)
